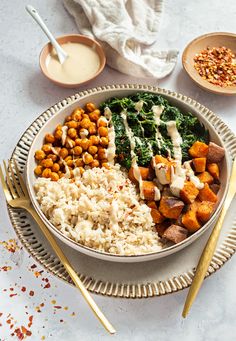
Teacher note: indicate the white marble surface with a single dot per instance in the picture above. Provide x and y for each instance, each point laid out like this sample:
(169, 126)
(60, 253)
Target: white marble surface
(24, 94)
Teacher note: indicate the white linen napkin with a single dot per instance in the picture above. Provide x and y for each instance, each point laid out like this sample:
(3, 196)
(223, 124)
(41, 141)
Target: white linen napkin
(127, 30)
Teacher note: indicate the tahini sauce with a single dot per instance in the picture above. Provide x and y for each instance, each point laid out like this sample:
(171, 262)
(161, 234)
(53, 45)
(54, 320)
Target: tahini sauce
(82, 63)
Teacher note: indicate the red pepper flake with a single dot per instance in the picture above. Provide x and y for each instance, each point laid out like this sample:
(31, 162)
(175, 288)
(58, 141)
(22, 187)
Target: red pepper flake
(6, 268)
(33, 266)
(47, 286)
(12, 295)
(57, 307)
(30, 321)
(1, 314)
(41, 304)
(8, 321)
(37, 274)
(11, 289)
(61, 321)
(31, 293)
(23, 289)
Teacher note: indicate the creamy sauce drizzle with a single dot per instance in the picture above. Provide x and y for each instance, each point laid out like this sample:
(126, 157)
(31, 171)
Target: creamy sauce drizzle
(111, 149)
(67, 173)
(81, 64)
(157, 110)
(176, 139)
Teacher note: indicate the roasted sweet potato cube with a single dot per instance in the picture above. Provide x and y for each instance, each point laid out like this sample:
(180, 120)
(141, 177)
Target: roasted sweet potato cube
(205, 210)
(206, 194)
(199, 164)
(198, 149)
(206, 177)
(214, 170)
(149, 189)
(215, 153)
(152, 204)
(162, 227)
(175, 233)
(189, 192)
(157, 217)
(189, 219)
(142, 170)
(215, 188)
(159, 159)
(171, 207)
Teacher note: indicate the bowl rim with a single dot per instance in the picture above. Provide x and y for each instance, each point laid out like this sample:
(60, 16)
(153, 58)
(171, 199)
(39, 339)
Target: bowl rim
(71, 85)
(206, 85)
(76, 245)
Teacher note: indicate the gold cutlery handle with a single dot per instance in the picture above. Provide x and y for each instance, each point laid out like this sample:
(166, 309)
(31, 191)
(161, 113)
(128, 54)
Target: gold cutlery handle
(210, 247)
(75, 278)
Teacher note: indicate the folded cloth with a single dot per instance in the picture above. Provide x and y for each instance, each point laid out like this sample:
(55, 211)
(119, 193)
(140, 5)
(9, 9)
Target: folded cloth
(127, 31)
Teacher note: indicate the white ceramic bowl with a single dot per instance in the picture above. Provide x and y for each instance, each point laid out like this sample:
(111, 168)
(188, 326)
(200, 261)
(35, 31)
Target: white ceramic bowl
(98, 95)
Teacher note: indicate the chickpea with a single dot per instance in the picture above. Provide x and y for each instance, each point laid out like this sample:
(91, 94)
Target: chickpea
(46, 173)
(78, 142)
(101, 153)
(68, 118)
(72, 133)
(79, 162)
(85, 115)
(55, 167)
(39, 155)
(94, 115)
(104, 141)
(49, 138)
(103, 131)
(53, 157)
(59, 126)
(70, 163)
(106, 165)
(92, 150)
(69, 143)
(83, 133)
(58, 134)
(72, 124)
(63, 153)
(38, 170)
(81, 170)
(95, 163)
(87, 158)
(69, 157)
(77, 114)
(94, 140)
(47, 163)
(85, 123)
(85, 143)
(90, 107)
(47, 148)
(54, 176)
(61, 175)
(102, 122)
(78, 150)
(92, 129)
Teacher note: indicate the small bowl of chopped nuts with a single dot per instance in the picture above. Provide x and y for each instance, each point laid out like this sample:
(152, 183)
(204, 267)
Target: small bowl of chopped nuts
(210, 60)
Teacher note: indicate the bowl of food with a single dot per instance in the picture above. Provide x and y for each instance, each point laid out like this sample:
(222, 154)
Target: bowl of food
(86, 60)
(210, 62)
(128, 173)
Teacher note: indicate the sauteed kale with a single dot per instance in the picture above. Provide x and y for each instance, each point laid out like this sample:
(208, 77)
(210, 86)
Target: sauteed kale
(144, 128)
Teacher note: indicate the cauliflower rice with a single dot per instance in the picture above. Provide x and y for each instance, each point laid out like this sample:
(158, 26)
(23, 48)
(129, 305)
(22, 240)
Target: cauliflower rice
(100, 209)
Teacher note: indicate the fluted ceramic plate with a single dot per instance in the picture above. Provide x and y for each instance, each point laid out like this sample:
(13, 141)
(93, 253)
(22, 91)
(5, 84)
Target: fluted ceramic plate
(157, 277)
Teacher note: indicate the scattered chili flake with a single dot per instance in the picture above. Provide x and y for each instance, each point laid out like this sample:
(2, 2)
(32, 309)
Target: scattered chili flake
(31, 293)
(6, 268)
(37, 274)
(217, 65)
(1, 314)
(33, 266)
(30, 321)
(47, 286)
(12, 295)
(10, 245)
(23, 289)
(61, 321)
(57, 307)
(65, 308)
(53, 301)
(43, 338)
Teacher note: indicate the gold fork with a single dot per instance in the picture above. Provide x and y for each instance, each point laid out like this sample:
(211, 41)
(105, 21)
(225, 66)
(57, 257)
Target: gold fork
(17, 197)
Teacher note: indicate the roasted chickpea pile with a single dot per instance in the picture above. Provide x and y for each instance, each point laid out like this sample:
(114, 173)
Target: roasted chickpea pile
(82, 141)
